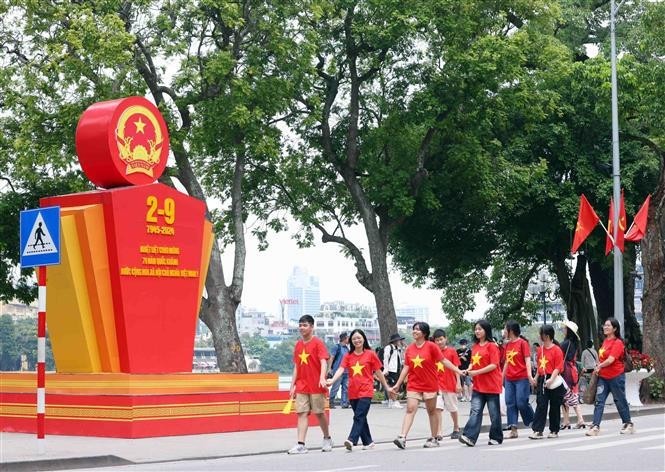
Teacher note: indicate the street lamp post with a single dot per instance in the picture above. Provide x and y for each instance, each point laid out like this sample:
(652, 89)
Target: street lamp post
(541, 290)
(616, 171)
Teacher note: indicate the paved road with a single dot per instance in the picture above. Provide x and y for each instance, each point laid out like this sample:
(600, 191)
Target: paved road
(572, 451)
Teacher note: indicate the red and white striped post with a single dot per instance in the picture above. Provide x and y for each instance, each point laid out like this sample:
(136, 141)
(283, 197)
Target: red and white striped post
(41, 355)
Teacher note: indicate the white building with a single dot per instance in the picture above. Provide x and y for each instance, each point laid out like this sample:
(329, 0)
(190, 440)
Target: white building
(303, 289)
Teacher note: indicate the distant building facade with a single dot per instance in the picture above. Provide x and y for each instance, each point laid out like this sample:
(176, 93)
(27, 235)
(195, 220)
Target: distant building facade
(304, 290)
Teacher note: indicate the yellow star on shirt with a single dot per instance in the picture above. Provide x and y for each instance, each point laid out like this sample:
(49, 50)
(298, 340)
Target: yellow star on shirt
(357, 369)
(475, 359)
(417, 361)
(140, 126)
(543, 362)
(601, 352)
(510, 356)
(303, 357)
(440, 367)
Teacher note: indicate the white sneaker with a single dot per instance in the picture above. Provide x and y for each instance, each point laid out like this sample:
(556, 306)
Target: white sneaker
(396, 404)
(327, 445)
(431, 442)
(627, 428)
(348, 445)
(298, 449)
(368, 447)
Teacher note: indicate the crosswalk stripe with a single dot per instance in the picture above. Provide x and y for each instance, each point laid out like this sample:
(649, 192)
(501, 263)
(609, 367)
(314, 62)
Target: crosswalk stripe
(661, 446)
(623, 442)
(536, 443)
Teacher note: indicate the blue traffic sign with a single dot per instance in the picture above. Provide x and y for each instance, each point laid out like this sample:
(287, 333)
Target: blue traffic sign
(40, 237)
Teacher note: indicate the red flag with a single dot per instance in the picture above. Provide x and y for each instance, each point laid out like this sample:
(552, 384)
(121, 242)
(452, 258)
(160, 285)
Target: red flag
(610, 227)
(586, 222)
(639, 226)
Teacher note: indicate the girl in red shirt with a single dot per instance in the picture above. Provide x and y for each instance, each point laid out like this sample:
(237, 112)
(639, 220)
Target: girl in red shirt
(420, 361)
(611, 378)
(486, 374)
(362, 364)
(517, 379)
(550, 386)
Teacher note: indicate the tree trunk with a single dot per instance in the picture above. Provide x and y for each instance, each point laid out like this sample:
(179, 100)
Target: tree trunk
(653, 261)
(603, 290)
(579, 303)
(218, 311)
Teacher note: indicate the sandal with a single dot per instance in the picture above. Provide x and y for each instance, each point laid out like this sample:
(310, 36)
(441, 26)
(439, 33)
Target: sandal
(566, 426)
(580, 426)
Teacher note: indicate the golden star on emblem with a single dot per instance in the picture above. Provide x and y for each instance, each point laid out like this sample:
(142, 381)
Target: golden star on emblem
(417, 361)
(476, 359)
(303, 357)
(543, 362)
(440, 367)
(601, 352)
(510, 356)
(357, 369)
(140, 126)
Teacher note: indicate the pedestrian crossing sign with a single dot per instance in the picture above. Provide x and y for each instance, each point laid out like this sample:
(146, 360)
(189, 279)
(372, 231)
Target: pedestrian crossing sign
(40, 237)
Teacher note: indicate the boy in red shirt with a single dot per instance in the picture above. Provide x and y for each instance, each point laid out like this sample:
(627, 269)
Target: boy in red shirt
(308, 387)
(449, 384)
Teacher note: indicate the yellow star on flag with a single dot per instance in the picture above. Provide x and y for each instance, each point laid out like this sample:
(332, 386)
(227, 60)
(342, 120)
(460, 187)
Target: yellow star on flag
(303, 357)
(417, 361)
(440, 367)
(476, 359)
(140, 126)
(601, 352)
(510, 356)
(357, 369)
(543, 362)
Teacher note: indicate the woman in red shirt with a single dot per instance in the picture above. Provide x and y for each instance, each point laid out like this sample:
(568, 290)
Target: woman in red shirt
(550, 386)
(517, 379)
(611, 378)
(420, 361)
(362, 364)
(486, 374)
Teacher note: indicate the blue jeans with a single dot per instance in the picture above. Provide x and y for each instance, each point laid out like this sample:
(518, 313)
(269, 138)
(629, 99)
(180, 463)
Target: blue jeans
(343, 381)
(360, 427)
(617, 386)
(478, 401)
(517, 399)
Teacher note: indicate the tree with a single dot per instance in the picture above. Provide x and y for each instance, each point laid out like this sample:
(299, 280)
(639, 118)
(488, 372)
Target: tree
(9, 349)
(369, 116)
(547, 129)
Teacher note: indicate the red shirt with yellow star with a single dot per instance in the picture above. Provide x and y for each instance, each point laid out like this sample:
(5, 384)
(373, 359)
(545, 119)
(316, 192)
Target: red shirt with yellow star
(448, 378)
(307, 358)
(361, 368)
(514, 355)
(615, 348)
(549, 359)
(422, 367)
(482, 356)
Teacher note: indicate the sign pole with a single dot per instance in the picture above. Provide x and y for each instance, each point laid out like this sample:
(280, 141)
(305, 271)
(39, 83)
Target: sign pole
(41, 357)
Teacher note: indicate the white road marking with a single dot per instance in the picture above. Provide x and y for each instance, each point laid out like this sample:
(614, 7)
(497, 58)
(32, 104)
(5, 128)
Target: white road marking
(615, 443)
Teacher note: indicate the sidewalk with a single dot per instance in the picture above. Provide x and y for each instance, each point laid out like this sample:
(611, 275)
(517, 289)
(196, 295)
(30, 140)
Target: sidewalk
(19, 451)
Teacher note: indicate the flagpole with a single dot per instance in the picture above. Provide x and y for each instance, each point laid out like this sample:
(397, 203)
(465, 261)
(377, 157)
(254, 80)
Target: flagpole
(616, 171)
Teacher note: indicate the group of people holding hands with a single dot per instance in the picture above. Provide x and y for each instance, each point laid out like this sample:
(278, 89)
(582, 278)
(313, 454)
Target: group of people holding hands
(431, 370)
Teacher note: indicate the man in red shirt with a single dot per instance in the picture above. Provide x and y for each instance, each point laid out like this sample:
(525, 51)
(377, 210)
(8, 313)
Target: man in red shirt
(449, 384)
(308, 387)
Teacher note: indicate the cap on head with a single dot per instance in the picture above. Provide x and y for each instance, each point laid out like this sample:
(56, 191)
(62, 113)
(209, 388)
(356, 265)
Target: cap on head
(395, 337)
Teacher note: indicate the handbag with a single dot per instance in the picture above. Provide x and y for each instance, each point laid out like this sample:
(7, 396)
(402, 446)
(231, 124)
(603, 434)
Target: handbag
(558, 381)
(590, 392)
